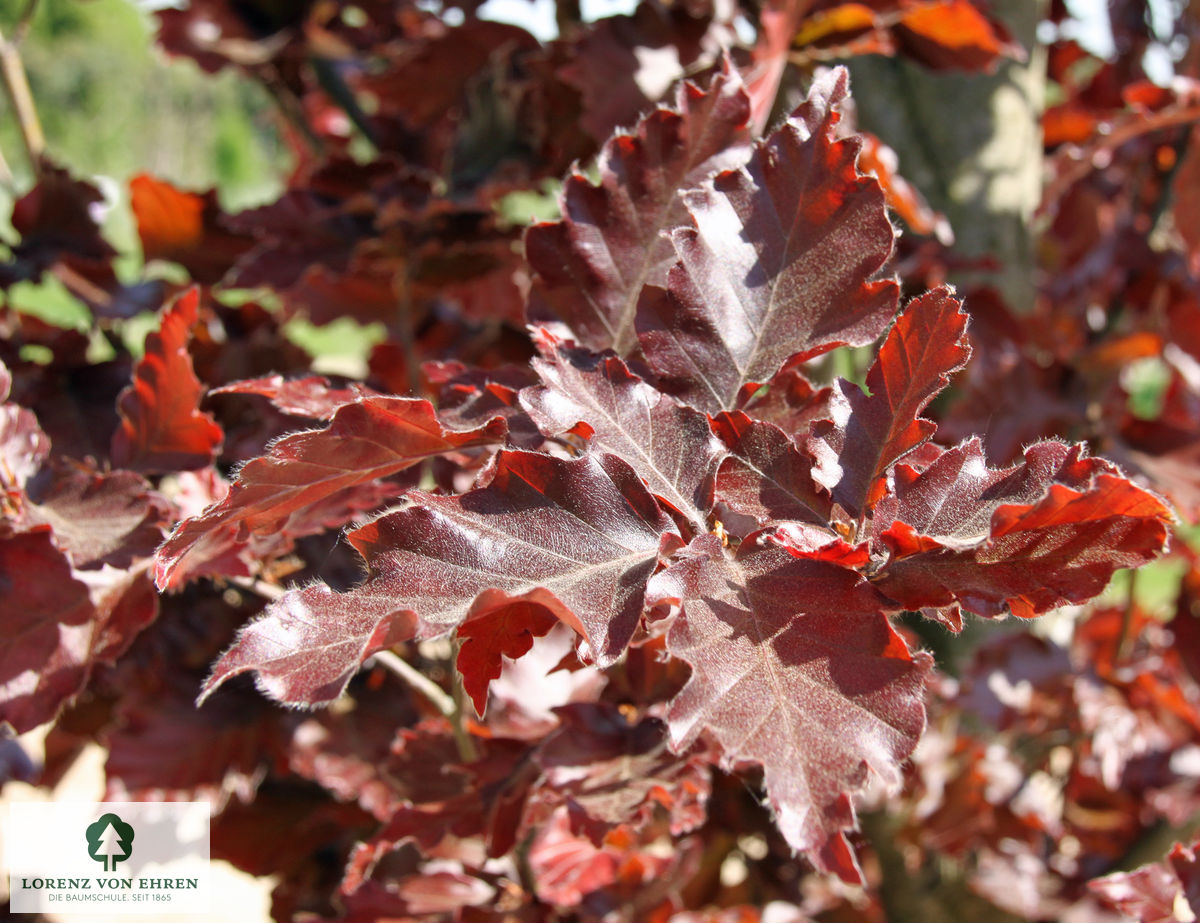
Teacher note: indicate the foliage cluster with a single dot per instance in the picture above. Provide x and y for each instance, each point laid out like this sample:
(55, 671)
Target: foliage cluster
(601, 595)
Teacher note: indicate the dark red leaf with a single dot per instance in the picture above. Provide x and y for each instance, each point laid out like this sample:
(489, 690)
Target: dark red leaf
(1187, 200)
(611, 771)
(669, 445)
(795, 669)
(1044, 533)
(101, 518)
(319, 833)
(779, 265)
(1162, 892)
(318, 479)
(484, 798)
(56, 221)
(868, 434)
(163, 745)
(593, 263)
(790, 401)
(766, 476)
(45, 616)
(352, 754)
(58, 628)
(487, 637)
(162, 427)
(24, 448)
(578, 538)
(310, 397)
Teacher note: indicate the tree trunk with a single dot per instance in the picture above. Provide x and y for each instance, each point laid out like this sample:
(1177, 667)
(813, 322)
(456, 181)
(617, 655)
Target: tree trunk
(972, 143)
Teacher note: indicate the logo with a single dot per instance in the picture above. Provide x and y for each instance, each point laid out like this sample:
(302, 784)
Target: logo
(120, 857)
(110, 840)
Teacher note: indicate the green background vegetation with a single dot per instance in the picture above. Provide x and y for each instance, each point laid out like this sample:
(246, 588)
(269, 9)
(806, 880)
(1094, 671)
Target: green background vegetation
(112, 104)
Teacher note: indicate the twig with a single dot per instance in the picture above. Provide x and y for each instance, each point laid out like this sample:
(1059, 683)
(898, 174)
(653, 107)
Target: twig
(290, 107)
(6, 174)
(1125, 639)
(414, 677)
(259, 587)
(21, 29)
(466, 746)
(16, 85)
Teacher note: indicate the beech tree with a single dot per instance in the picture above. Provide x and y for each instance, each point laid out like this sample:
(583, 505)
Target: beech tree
(644, 573)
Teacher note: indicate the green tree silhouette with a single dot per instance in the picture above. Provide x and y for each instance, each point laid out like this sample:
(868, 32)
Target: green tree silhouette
(110, 840)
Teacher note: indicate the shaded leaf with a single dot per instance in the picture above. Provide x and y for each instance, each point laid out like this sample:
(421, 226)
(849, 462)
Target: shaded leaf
(610, 771)
(45, 610)
(101, 518)
(56, 221)
(790, 401)
(593, 263)
(1161, 892)
(163, 744)
(779, 266)
(870, 432)
(578, 538)
(766, 476)
(795, 669)
(485, 797)
(317, 479)
(162, 427)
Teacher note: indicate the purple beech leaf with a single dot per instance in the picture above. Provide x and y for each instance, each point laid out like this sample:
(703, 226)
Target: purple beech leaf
(488, 637)
(56, 628)
(43, 605)
(592, 264)
(790, 401)
(99, 519)
(1025, 539)
(779, 266)
(669, 445)
(794, 668)
(766, 476)
(578, 537)
(162, 427)
(312, 396)
(870, 432)
(366, 440)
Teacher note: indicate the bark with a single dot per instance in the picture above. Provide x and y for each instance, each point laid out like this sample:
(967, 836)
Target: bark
(972, 143)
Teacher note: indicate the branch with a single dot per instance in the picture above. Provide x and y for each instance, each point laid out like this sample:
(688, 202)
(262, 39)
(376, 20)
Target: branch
(267, 591)
(16, 85)
(21, 29)
(437, 696)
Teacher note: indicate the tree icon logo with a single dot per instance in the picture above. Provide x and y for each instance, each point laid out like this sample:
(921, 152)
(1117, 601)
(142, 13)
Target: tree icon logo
(110, 840)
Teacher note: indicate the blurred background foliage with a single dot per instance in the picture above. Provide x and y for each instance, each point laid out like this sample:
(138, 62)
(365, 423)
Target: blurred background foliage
(113, 105)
